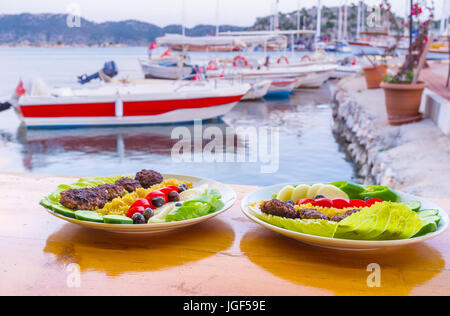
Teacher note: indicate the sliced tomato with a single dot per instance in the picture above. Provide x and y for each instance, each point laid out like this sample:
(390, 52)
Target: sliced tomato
(305, 201)
(358, 203)
(341, 203)
(134, 210)
(372, 201)
(323, 203)
(142, 202)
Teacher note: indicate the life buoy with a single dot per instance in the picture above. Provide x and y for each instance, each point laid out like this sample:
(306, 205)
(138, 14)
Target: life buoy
(306, 57)
(212, 65)
(240, 61)
(286, 60)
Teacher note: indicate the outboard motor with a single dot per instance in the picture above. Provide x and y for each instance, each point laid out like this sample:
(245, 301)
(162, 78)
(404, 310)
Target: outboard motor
(5, 106)
(109, 71)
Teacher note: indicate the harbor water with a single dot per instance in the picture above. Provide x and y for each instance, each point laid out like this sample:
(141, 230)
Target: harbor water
(308, 151)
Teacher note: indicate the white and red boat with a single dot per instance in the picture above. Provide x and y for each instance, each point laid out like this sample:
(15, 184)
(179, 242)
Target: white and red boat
(127, 104)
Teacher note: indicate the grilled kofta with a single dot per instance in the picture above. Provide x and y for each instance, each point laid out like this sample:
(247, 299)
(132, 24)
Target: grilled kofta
(111, 190)
(147, 178)
(309, 213)
(129, 184)
(83, 199)
(279, 208)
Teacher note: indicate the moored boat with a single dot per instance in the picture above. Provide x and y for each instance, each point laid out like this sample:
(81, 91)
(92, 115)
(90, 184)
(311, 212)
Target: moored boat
(127, 104)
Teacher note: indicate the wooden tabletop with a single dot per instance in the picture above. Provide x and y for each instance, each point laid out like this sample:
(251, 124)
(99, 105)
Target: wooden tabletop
(228, 255)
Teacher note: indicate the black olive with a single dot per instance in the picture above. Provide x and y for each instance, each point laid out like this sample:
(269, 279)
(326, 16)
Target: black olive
(182, 187)
(319, 197)
(173, 196)
(158, 201)
(148, 213)
(367, 198)
(178, 204)
(290, 202)
(138, 218)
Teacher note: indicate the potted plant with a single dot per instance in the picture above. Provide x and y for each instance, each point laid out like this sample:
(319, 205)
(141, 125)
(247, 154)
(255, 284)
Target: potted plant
(375, 72)
(403, 91)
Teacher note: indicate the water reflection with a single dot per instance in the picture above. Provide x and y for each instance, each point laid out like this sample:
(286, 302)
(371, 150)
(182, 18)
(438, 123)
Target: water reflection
(116, 254)
(307, 149)
(343, 272)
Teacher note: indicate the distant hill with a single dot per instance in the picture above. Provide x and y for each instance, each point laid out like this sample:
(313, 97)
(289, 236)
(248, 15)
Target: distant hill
(51, 29)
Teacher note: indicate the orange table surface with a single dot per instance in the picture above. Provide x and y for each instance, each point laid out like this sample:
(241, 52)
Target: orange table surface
(228, 255)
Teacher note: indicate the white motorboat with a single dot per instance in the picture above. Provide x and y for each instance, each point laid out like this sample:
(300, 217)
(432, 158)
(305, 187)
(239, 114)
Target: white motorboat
(126, 104)
(170, 68)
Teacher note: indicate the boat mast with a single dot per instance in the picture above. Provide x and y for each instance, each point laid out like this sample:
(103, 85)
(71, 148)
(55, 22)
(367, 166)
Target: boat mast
(319, 19)
(345, 20)
(276, 24)
(358, 23)
(363, 16)
(217, 17)
(445, 16)
(340, 22)
(183, 31)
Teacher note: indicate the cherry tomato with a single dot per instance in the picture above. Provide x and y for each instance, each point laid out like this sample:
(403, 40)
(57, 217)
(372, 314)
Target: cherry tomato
(358, 203)
(154, 194)
(305, 201)
(141, 202)
(341, 203)
(134, 210)
(169, 189)
(323, 203)
(372, 201)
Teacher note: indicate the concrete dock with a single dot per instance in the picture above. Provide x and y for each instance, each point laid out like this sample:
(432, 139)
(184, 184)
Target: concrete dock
(414, 158)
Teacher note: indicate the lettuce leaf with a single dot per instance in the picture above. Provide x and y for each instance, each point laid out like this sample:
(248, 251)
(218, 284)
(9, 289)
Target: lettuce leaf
(320, 228)
(200, 206)
(382, 221)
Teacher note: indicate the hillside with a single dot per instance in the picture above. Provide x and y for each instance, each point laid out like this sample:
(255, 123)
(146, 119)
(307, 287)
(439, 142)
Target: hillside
(52, 29)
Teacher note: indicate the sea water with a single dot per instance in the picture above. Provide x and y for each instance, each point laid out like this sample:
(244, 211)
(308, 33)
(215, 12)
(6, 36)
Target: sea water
(308, 151)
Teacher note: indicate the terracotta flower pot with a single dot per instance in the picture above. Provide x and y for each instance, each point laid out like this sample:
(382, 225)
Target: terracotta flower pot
(373, 77)
(403, 102)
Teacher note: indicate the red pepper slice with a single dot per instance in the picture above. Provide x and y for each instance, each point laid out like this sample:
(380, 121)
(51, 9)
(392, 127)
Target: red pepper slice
(358, 203)
(305, 201)
(323, 203)
(134, 210)
(142, 202)
(372, 201)
(341, 203)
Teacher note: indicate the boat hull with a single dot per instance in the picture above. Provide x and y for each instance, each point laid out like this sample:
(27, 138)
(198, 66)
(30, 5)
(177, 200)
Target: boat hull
(48, 112)
(315, 80)
(175, 116)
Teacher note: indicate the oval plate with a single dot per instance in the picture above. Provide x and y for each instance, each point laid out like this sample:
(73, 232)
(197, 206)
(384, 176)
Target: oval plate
(266, 194)
(228, 198)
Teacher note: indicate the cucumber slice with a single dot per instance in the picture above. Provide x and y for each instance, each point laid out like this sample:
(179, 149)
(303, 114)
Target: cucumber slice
(63, 211)
(413, 205)
(88, 216)
(427, 213)
(430, 227)
(117, 219)
(435, 219)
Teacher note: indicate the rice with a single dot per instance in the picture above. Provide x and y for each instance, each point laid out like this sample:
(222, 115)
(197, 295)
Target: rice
(121, 205)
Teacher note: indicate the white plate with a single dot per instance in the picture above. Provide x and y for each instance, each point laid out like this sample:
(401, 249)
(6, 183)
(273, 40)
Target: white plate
(266, 194)
(228, 198)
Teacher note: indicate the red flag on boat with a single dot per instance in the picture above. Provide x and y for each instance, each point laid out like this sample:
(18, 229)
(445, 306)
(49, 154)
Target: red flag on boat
(166, 53)
(20, 90)
(153, 45)
(354, 62)
(196, 78)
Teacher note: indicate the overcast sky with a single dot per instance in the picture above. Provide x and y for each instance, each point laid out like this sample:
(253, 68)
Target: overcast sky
(164, 12)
